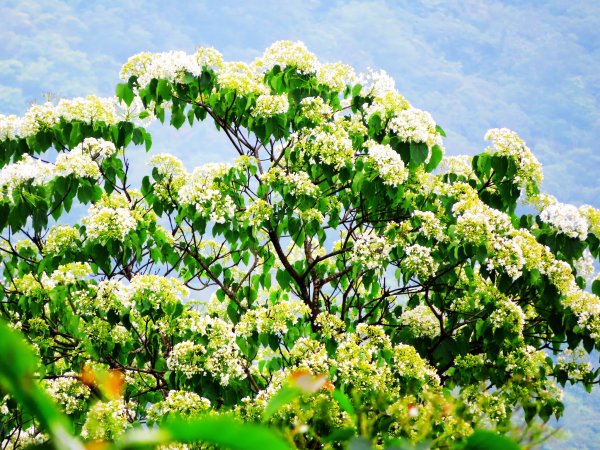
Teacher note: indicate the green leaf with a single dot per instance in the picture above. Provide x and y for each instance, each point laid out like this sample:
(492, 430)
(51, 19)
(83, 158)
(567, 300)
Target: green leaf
(596, 287)
(418, 154)
(148, 141)
(284, 396)
(436, 157)
(344, 402)
(177, 119)
(283, 278)
(125, 93)
(488, 440)
(18, 364)
(221, 431)
(163, 89)
(360, 443)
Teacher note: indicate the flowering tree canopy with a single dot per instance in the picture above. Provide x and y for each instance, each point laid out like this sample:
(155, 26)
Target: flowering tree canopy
(404, 293)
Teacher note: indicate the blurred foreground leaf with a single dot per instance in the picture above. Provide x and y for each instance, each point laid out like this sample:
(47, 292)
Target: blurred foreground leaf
(488, 440)
(18, 365)
(223, 431)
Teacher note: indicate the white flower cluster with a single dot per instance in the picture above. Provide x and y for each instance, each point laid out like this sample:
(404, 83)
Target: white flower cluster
(475, 221)
(584, 266)
(574, 363)
(38, 117)
(315, 109)
(311, 355)
(356, 360)
(526, 361)
(460, 165)
(299, 183)
(107, 420)
(66, 274)
(288, 53)
(388, 163)
(507, 314)
(330, 324)
(186, 357)
(336, 76)
(508, 255)
(270, 105)
(17, 439)
(310, 215)
(159, 291)
(68, 391)
(96, 148)
(110, 218)
(204, 192)
(173, 171)
(10, 127)
(182, 403)
(29, 285)
(387, 105)
(89, 109)
(376, 83)
(28, 168)
(78, 163)
(111, 294)
(422, 321)
(481, 403)
(415, 125)
(208, 57)
(586, 307)
(566, 219)
(222, 357)
(257, 212)
(167, 165)
(419, 261)
(409, 364)
(273, 318)
(330, 143)
(241, 78)
(593, 217)
(370, 250)
(166, 65)
(429, 225)
(529, 170)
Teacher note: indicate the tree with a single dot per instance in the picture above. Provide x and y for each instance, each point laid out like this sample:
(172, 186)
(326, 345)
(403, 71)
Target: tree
(344, 277)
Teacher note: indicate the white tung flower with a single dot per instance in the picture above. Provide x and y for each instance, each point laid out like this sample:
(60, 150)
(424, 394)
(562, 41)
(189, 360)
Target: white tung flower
(414, 125)
(335, 76)
(28, 168)
(566, 219)
(388, 163)
(166, 65)
(270, 105)
(289, 53)
(585, 265)
(10, 126)
(106, 222)
(422, 321)
(370, 250)
(89, 109)
(376, 83)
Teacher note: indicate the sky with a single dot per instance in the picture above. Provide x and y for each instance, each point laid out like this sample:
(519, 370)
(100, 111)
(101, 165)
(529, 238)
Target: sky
(531, 66)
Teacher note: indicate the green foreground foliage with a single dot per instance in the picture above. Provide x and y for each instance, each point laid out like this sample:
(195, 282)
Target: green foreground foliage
(350, 286)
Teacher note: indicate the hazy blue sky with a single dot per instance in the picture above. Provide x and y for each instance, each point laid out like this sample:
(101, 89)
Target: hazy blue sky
(532, 66)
